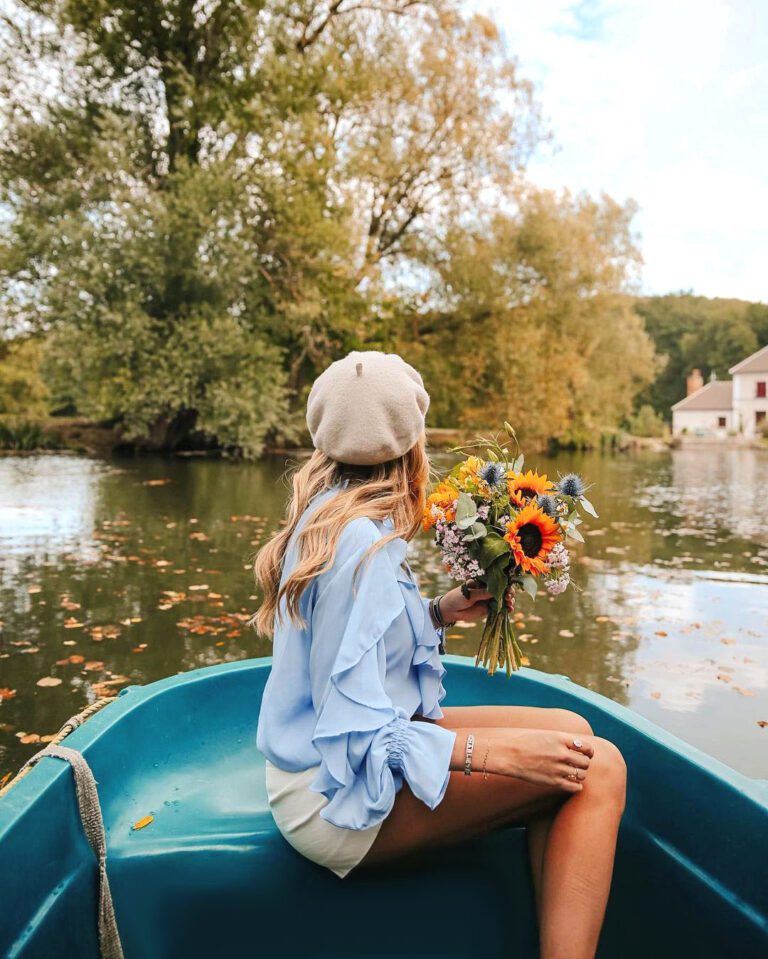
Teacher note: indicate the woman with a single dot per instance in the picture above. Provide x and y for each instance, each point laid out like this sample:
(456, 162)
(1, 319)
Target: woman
(363, 765)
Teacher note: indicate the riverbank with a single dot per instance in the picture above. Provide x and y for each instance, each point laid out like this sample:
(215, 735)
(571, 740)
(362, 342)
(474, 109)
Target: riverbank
(71, 434)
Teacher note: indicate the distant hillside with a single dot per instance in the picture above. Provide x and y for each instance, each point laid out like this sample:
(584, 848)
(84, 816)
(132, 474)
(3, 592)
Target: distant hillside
(695, 331)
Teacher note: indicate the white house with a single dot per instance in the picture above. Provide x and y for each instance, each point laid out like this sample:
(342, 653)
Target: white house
(738, 406)
(750, 386)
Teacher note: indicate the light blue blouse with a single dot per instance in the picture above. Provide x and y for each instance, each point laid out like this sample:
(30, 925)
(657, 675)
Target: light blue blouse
(341, 693)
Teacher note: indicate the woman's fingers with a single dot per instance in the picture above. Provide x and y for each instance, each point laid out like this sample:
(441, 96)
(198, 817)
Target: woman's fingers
(580, 744)
(578, 760)
(568, 771)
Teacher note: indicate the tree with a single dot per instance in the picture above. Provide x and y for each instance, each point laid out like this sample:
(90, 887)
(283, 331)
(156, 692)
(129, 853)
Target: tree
(239, 170)
(533, 322)
(696, 332)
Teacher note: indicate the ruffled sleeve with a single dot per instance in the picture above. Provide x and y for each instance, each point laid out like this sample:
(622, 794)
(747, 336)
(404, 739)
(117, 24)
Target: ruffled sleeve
(367, 745)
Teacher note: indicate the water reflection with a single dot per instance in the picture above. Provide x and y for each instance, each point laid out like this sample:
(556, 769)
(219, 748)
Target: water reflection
(135, 569)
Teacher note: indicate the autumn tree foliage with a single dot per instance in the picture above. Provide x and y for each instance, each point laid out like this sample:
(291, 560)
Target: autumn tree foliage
(206, 202)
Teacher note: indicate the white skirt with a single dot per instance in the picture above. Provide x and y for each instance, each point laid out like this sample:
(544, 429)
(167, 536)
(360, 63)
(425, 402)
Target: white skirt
(296, 811)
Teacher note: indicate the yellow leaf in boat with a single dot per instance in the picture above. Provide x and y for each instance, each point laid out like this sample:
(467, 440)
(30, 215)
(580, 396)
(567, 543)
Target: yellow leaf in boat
(142, 822)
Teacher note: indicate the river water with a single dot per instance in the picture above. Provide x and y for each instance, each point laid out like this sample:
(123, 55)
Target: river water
(129, 570)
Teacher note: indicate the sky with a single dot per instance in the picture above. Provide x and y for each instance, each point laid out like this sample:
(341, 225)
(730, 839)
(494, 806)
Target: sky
(665, 102)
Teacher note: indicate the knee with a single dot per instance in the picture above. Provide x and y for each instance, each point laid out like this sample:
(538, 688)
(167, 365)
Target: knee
(608, 771)
(571, 722)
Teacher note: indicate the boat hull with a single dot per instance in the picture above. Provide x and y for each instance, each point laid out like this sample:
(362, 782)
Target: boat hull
(211, 874)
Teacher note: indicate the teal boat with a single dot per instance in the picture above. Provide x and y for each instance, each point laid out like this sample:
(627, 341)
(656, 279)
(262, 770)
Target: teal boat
(210, 875)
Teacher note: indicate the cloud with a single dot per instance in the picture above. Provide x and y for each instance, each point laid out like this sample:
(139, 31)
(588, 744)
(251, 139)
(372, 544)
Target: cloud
(667, 104)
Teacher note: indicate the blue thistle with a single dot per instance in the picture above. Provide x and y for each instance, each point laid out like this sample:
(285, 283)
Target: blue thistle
(546, 504)
(492, 473)
(571, 485)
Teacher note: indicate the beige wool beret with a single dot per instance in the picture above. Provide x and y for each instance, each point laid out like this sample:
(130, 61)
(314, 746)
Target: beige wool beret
(368, 407)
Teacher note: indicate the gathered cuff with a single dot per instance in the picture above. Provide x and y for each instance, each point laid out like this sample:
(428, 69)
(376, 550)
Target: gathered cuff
(422, 753)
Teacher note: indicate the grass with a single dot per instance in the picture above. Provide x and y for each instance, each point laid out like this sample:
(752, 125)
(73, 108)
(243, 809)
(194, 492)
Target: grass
(19, 434)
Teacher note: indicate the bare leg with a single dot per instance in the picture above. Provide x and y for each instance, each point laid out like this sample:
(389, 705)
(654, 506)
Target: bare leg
(537, 827)
(579, 849)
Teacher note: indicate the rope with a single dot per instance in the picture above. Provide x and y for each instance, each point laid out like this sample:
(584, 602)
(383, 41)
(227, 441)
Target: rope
(110, 946)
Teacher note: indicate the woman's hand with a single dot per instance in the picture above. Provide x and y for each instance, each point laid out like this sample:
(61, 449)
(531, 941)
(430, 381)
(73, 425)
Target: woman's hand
(455, 606)
(543, 757)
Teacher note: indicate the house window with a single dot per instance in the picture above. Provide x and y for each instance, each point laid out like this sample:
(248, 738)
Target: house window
(721, 422)
(760, 389)
(759, 417)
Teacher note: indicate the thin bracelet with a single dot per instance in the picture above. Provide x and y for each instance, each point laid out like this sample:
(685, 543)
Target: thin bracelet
(485, 759)
(440, 613)
(468, 759)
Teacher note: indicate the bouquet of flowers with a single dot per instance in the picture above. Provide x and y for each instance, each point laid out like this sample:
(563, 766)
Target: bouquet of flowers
(508, 529)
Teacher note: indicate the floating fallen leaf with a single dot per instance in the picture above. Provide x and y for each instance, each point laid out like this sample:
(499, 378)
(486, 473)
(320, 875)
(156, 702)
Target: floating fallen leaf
(744, 692)
(200, 586)
(727, 642)
(34, 589)
(762, 723)
(661, 633)
(156, 482)
(602, 619)
(142, 822)
(724, 677)
(49, 681)
(72, 623)
(566, 633)
(93, 665)
(199, 535)
(655, 695)
(524, 661)
(30, 738)
(6, 693)
(6, 778)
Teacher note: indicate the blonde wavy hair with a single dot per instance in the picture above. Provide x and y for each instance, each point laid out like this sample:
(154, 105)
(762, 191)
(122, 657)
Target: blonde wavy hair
(396, 489)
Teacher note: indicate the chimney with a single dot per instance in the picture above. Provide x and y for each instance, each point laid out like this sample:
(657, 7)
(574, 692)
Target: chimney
(694, 382)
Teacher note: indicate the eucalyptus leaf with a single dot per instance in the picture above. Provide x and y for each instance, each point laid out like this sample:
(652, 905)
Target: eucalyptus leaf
(476, 531)
(588, 507)
(466, 511)
(530, 585)
(574, 534)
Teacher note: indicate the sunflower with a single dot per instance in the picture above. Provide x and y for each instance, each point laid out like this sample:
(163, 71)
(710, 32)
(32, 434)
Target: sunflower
(526, 486)
(440, 505)
(532, 535)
